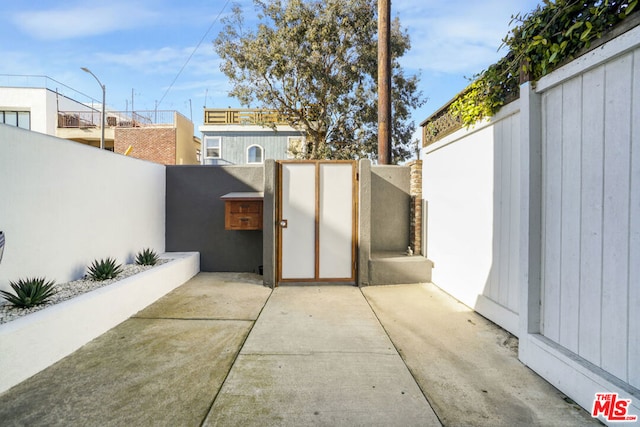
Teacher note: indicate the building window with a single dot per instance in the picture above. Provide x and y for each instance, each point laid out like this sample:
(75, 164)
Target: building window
(295, 147)
(213, 147)
(21, 119)
(254, 154)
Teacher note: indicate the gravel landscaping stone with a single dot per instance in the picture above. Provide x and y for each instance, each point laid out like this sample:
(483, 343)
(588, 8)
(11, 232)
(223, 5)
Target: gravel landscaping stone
(66, 291)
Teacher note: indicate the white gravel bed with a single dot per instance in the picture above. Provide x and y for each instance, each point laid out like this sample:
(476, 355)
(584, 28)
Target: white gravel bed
(65, 291)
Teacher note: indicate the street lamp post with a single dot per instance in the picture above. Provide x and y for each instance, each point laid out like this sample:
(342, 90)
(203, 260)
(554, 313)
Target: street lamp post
(86, 70)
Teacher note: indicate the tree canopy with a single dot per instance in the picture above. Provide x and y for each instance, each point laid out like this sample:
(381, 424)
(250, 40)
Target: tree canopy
(315, 62)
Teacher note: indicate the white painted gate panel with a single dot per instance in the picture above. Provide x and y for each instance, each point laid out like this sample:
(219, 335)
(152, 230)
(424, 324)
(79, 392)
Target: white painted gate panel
(299, 210)
(336, 226)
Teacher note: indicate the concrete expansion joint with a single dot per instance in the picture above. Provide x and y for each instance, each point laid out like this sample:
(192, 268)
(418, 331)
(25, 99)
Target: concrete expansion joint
(400, 353)
(389, 352)
(216, 319)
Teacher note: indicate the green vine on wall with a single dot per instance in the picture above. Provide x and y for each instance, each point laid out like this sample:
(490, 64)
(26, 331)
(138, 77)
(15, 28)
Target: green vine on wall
(550, 35)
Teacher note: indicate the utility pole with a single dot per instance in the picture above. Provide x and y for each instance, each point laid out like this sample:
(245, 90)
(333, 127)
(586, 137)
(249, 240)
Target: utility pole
(384, 82)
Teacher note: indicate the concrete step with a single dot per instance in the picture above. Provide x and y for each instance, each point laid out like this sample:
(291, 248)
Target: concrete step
(392, 268)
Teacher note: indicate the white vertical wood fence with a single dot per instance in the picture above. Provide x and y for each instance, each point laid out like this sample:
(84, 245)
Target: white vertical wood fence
(591, 211)
(564, 204)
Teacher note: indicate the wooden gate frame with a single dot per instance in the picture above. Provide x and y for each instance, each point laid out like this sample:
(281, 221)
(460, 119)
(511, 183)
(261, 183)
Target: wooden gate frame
(354, 224)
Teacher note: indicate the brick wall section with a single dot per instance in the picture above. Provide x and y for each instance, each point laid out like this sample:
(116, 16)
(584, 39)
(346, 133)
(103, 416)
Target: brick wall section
(153, 144)
(415, 190)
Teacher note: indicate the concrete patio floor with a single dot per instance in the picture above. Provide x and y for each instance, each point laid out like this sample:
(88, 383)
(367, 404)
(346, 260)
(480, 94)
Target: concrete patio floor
(224, 350)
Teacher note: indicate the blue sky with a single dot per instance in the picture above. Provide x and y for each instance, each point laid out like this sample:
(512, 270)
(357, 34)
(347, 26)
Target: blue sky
(142, 45)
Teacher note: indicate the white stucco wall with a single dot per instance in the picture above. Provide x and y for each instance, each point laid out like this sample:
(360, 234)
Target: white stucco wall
(458, 184)
(64, 204)
(471, 184)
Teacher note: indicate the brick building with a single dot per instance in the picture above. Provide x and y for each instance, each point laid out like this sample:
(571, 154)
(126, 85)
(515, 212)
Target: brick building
(170, 143)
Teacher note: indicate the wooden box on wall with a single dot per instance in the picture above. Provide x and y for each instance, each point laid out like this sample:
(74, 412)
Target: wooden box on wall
(243, 211)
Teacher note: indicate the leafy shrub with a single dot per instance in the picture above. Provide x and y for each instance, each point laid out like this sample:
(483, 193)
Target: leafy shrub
(30, 292)
(104, 269)
(558, 31)
(147, 257)
(552, 34)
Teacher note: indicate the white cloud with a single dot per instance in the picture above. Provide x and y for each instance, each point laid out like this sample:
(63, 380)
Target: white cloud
(456, 36)
(152, 71)
(164, 60)
(87, 19)
(147, 60)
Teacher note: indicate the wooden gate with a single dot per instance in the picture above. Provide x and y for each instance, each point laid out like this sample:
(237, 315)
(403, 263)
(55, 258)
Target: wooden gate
(317, 221)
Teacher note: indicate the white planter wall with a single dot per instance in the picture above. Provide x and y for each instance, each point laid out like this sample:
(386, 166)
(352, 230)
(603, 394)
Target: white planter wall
(64, 204)
(31, 343)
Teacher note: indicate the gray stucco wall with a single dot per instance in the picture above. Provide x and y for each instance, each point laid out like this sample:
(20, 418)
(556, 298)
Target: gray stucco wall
(195, 216)
(390, 208)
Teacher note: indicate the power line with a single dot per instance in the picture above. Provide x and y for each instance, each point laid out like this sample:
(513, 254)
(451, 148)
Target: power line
(192, 53)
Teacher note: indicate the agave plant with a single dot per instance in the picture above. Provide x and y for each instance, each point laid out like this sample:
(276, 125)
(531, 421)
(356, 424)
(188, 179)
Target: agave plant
(147, 257)
(104, 269)
(29, 292)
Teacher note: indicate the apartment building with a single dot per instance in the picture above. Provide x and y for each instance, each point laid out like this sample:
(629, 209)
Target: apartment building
(44, 105)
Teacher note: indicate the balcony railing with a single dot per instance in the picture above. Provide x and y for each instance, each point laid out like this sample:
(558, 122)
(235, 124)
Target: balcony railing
(44, 82)
(122, 119)
(224, 116)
